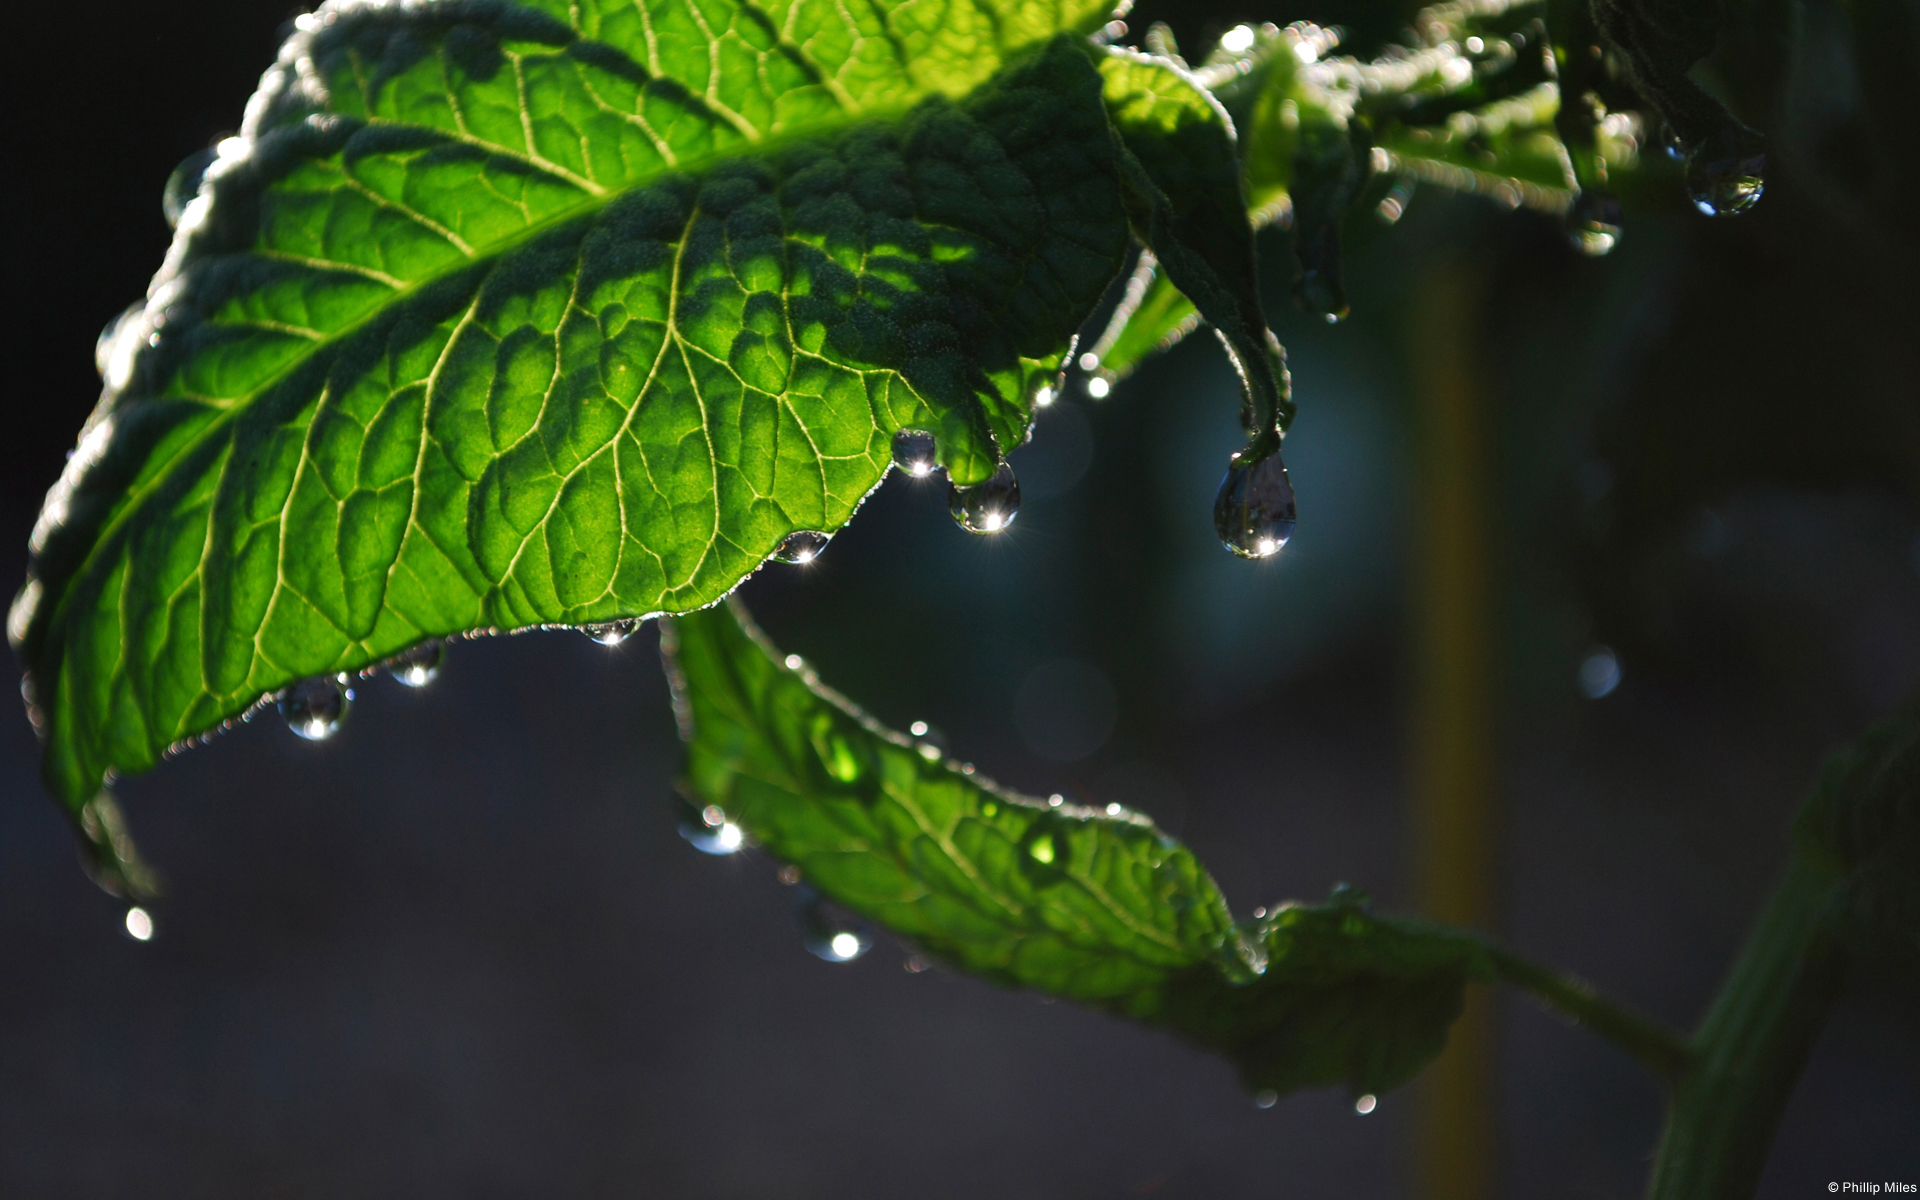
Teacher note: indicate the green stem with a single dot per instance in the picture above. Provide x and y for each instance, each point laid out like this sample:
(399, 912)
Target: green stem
(1657, 1047)
(1750, 1050)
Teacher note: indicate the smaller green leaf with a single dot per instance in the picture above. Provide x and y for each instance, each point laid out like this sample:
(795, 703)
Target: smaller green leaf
(1864, 818)
(1095, 905)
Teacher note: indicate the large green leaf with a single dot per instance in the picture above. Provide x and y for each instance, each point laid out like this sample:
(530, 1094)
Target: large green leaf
(1095, 905)
(499, 314)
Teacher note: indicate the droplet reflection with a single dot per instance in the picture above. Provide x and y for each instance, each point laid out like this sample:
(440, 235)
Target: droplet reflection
(986, 507)
(916, 452)
(420, 665)
(1266, 1098)
(314, 708)
(1366, 1104)
(612, 633)
(829, 933)
(1254, 512)
(139, 924)
(184, 184)
(710, 832)
(801, 546)
(1599, 673)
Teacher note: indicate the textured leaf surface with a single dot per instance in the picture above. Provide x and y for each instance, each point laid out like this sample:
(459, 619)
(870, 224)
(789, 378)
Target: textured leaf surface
(498, 314)
(1095, 905)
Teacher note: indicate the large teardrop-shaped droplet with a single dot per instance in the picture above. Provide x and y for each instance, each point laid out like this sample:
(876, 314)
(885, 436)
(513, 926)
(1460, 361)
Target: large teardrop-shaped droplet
(314, 708)
(1254, 512)
(801, 546)
(829, 933)
(986, 507)
(1321, 290)
(419, 665)
(708, 830)
(184, 184)
(612, 633)
(916, 452)
(1593, 222)
(1726, 174)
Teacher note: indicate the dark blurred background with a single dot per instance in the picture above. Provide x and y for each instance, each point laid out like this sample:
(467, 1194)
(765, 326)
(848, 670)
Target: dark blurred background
(1604, 554)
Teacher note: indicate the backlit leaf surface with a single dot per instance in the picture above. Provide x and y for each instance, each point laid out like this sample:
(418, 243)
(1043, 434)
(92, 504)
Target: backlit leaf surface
(1094, 905)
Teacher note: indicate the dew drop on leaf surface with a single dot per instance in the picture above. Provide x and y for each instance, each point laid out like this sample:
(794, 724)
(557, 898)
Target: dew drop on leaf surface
(709, 831)
(184, 184)
(1254, 511)
(916, 452)
(1727, 174)
(419, 666)
(612, 633)
(1593, 223)
(801, 546)
(986, 507)
(830, 934)
(314, 708)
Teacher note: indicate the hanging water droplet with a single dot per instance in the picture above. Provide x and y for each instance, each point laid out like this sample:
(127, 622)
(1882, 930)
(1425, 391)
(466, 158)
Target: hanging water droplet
(1266, 1098)
(916, 452)
(139, 924)
(1726, 174)
(419, 665)
(829, 933)
(612, 633)
(1366, 1104)
(1320, 289)
(184, 184)
(708, 830)
(986, 507)
(801, 546)
(1254, 510)
(1593, 222)
(107, 346)
(314, 707)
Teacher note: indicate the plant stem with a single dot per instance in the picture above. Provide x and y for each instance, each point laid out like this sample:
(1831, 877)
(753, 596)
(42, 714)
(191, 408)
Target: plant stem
(1657, 1047)
(1750, 1050)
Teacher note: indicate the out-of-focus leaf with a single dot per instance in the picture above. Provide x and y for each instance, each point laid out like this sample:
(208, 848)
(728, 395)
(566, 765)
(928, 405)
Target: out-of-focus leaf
(500, 314)
(1094, 905)
(1864, 817)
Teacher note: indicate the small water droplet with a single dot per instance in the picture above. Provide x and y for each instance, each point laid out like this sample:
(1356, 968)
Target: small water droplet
(789, 874)
(709, 831)
(1726, 175)
(420, 665)
(915, 964)
(794, 662)
(1254, 511)
(1056, 800)
(801, 546)
(1593, 222)
(1113, 810)
(139, 924)
(1320, 289)
(184, 184)
(1098, 387)
(1366, 1104)
(107, 345)
(986, 507)
(1266, 1098)
(928, 751)
(314, 707)
(1599, 673)
(919, 728)
(612, 633)
(916, 452)
(830, 934)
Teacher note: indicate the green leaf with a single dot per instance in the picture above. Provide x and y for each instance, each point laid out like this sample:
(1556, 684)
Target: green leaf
(498, 315)
(1863, 820)
(1093, 905)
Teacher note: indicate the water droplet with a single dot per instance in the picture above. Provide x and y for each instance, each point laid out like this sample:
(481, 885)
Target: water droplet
(107, 346)
(801, 546)
(612, 633)
(420, 665)
(829, 933)
(1056, 800)
(915, 964)
(916, 452)
(314, 708)
(1599, 673)
(139, 924)
(1593, 222)
(709, 831)
(986, 507)
(1098, 387)
(1349, 896)
(184, 184)
(789, 874)
(1266, 1098)
(1366, 1104)
(794, 662)
(919, 728)
(1726, 175)
(1320, 289)
(1254, 511)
